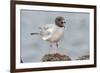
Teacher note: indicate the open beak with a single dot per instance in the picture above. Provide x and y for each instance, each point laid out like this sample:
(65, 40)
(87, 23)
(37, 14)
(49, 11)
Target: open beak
(64, 22)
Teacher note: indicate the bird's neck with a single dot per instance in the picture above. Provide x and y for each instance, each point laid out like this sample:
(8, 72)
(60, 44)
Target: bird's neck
(58, 26)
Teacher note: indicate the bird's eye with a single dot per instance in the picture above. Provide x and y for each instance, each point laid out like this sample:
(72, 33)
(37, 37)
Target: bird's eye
(62, 22)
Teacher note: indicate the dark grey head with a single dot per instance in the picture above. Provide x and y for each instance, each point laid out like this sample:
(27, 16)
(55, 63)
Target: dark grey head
(60, 21)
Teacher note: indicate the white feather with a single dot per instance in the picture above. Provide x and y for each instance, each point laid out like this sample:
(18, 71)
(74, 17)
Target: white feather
(52, 33)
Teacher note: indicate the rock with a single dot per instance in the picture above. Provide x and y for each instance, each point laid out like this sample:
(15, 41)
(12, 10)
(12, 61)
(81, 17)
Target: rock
(55, 57)
(84, 57)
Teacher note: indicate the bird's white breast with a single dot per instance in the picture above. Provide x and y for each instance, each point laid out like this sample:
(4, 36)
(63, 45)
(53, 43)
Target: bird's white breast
(55, 33)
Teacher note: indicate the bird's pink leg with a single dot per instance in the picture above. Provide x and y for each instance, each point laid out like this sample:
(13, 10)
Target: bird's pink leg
(54, 48)
(56, 51)
(51, 47)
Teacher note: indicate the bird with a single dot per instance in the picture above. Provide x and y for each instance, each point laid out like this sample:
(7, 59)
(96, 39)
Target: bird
(53, 33)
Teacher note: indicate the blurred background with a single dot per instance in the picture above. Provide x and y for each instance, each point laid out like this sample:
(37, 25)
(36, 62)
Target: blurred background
(76, 35)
